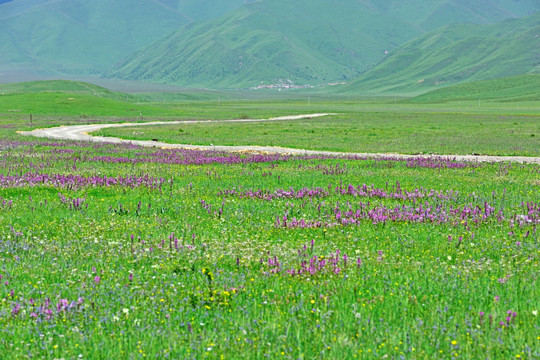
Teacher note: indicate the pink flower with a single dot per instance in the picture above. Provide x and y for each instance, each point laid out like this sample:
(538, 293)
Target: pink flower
(16, 309)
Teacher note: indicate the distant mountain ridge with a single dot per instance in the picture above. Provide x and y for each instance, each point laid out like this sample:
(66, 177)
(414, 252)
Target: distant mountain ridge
(81, 37)
(226, 43)
(304, 42)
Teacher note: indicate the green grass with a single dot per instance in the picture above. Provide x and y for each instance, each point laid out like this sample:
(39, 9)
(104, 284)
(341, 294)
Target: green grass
(420, 291)
(508, 89)
(81, 101)
(404, 131)
(376, 125)
(184, 268)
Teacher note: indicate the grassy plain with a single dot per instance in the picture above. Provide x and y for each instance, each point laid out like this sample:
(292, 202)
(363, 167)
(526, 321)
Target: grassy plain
(390, 130)
(114, 251)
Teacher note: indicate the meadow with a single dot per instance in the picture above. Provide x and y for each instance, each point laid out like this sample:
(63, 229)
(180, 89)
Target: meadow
(405, 131)
(112, 251)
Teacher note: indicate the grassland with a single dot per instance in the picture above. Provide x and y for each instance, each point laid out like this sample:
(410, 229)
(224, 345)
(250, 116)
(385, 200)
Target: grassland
(54, 102)
(386, 131)
(458, 126)
(123, 252)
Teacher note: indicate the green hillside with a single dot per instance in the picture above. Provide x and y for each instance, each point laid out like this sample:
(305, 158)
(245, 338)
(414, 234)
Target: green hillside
(454, 54)
(514, 88)
(201, 10)
(81, 37)
(307, 42)
(61, 86)
(430, 15)
(64, 98)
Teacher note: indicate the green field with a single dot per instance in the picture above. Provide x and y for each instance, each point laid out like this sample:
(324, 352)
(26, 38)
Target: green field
(118, 251)
(384, 131)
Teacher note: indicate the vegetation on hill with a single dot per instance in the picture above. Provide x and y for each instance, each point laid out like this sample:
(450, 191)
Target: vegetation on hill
(304, 42)
(60, 86)
(456, 53)
(78, 37)
(514, 88)
(69, 98)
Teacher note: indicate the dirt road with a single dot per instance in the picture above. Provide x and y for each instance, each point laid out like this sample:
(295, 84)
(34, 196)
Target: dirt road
(82, 132)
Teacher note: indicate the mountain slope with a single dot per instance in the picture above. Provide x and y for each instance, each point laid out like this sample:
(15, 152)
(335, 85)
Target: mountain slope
(514, 88)
(86, 37)
(267, 41)
(305, 41)
(456, 53)
(430, 15)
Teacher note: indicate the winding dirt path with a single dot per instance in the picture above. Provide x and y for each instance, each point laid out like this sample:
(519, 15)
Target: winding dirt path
(82, 133)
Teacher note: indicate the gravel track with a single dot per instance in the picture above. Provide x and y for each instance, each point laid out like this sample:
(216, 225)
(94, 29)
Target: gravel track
(82, 133)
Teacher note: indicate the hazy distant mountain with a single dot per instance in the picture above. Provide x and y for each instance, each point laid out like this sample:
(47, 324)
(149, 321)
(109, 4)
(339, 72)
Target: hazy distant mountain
(86, 37)
(304, 41)
(457, 53)
(432, 14)
(225, 43)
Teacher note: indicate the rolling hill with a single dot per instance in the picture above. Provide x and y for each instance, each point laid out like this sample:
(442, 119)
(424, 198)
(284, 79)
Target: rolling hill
(513, 88)
(303, 42)
(456, 53)
(61, 86)
(81, 37)
(71, 98)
